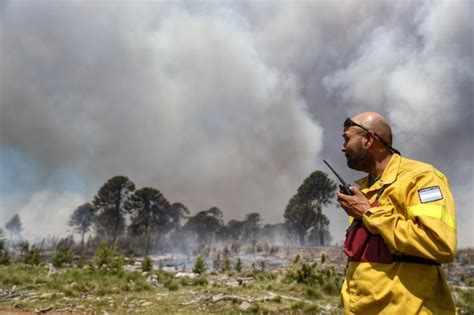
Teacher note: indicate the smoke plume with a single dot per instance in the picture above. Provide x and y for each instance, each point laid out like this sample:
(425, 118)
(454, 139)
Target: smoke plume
(228, 104)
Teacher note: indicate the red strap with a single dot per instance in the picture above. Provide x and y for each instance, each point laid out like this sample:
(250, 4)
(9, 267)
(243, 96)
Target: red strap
(361, 245)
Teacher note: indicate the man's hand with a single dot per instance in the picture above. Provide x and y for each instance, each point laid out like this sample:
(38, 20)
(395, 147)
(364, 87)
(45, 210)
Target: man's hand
(355, 206)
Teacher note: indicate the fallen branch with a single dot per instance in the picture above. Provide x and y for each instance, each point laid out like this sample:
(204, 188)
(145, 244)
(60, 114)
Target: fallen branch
(43, 310)
(292, 298)
(52, 270)
(8, 297)
(198, 300)
(222, 297)
(266, 298)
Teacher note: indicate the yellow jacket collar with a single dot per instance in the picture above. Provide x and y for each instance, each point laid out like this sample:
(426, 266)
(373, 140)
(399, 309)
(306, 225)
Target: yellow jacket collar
(389, 174)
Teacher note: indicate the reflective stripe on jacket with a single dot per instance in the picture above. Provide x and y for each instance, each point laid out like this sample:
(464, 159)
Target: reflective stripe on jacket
(415, 216)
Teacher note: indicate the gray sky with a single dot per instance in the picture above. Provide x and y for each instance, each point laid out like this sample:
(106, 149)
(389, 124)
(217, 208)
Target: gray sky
(229, 104)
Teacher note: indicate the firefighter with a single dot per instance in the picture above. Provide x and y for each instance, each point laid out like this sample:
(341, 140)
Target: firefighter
(402, 227)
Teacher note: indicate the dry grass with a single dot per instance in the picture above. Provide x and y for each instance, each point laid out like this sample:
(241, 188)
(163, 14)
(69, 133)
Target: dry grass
(86, 290)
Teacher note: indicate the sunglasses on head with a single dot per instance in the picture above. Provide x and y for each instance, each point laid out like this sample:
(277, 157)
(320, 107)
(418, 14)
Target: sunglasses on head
(349, 122)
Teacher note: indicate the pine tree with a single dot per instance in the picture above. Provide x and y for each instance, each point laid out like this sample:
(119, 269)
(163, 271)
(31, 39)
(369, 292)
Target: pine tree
(149, 214)
(81, 220)
(200, 266)
(206, 224)
(109, 202)
(304, 210)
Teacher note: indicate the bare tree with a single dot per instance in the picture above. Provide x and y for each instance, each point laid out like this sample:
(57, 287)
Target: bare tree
(14, 226)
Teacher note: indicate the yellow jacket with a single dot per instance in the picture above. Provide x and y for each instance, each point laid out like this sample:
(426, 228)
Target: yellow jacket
(415, 216)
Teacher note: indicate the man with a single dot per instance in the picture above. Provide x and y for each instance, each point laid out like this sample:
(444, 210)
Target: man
(403, 227)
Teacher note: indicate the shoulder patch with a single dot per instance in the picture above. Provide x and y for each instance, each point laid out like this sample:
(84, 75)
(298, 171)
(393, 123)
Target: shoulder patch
(430, 194)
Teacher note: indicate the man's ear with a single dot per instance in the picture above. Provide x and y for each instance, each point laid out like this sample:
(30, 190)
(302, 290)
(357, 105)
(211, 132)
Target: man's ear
(369, 138)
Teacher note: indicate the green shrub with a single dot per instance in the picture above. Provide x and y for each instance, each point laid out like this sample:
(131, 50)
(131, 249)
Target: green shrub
(296, 259)
(185, 281)
(32, 257)
(313, 292)
(265, 276)
(106, 256)
(162, 276)
(21, 274)
(306, 274)
(171, 284)
(323, 257)
(201, 280)
(81, 262)
(4, 255)
(323, 279)
(62, 256)
(466, 301)
(147, 264)
(298, 305)
(200, 266)
(331, 287)
(306, 308)
(254, 308)
(142, 285)
(225, 263)
(238, 265)
(116, 265)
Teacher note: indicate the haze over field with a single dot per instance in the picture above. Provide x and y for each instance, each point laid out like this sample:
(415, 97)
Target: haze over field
(229, 104)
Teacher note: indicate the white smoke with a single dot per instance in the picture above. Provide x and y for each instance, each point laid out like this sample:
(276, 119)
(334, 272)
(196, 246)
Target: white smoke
(422, 79)
(182, 102)
(47, 213)
(414, 76)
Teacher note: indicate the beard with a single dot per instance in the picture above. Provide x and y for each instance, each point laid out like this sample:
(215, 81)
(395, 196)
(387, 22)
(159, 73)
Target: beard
(359, 160)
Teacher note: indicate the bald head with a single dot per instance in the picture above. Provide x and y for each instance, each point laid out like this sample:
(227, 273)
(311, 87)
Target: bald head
(377, 123)
(362, 152)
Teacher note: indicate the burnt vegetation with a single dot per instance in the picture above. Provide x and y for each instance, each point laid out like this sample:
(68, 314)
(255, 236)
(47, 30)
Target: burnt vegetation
(123, 229)
(142, 222)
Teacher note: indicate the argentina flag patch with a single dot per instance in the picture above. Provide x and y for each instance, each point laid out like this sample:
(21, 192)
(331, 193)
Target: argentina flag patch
(430, 194)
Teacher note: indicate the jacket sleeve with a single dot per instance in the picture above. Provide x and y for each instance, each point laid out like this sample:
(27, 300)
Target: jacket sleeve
(424, 223)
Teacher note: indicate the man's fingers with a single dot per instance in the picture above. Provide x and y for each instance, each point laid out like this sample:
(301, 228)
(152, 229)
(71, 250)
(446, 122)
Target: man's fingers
(355, 190)
(341, 196)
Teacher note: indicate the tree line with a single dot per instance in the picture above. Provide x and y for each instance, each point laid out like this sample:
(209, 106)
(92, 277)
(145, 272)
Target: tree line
(143, 221)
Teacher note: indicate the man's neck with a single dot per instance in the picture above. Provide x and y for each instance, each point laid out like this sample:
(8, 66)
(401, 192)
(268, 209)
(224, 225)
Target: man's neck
(378, 167)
